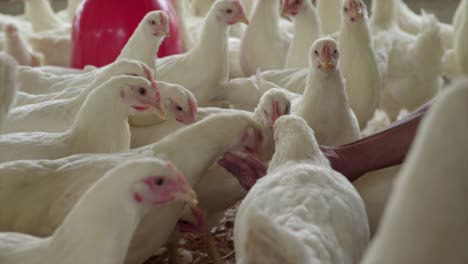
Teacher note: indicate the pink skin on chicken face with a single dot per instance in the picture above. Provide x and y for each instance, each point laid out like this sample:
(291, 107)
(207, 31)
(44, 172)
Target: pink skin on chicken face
(232, 13)
(185, 116)
(291, 7)
(326, 55)
(146, 97)
(354, 9)
(163, 189)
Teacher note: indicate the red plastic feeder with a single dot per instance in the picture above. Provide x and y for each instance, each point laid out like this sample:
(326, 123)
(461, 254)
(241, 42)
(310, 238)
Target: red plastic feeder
(101, 29)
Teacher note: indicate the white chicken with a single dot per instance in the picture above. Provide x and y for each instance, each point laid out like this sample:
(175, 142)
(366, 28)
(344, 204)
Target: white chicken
(425, 221)
(42, 16)
(324, 104)
(184, 13)
(69, 89)
(35, 81)
(8, 86)
(180, 105)
(274, 103)
(218, 189)
(411, 66)
(306, 30)
(207, 61)
(329, 14)
(201, 7)
(146, 39)
(19, 21)
(301, 211)
(461, 41)
(50, 35)
(245, 93)
(68, 14)
(112, 207)
(375, 188)
(16, 46)
(413, 23)
(459, 13)
(358, 61)
(108, 104)
(58, 115)
(55, 45)
(264, 44)
(202, 144)
(454, 58)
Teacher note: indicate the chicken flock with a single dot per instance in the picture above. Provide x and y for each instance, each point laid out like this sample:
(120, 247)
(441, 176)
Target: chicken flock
(110, 164)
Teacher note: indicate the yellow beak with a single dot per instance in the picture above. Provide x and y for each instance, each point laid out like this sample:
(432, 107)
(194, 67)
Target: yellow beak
(328, 66)
(284, 12)
(244, 20)
(191, 198)
(356, 13)
(159, 111)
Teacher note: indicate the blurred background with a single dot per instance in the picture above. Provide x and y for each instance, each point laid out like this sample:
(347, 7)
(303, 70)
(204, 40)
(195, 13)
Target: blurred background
(444, 9)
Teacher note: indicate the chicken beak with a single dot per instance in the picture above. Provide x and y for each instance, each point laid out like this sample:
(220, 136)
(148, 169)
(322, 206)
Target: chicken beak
(165, 26)
(160, 112)
(328, 65)
(241, 18)
(166, 31)
(190, 197)
(327, 62)
(356, 14)
(244, 20)
(285, 11)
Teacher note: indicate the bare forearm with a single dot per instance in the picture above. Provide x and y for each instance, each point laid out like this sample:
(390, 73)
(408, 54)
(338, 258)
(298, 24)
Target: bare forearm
(384, 149)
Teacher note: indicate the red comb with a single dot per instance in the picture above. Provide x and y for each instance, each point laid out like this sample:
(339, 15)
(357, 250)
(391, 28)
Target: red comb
(193, 109)
(149, 74)
(158, 94)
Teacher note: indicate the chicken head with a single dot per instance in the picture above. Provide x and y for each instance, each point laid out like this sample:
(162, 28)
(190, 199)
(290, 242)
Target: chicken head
(157, 23)
(353, 10)
(324, 54)
(165, 185)
(230, 12)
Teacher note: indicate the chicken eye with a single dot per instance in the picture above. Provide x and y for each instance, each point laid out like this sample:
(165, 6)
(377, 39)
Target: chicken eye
(316, 52)
(229, 11)
(153, 22)
(335, 52)
(142, 91)
(345, 9)
(159, 181)
(179, 108)
(287, 109)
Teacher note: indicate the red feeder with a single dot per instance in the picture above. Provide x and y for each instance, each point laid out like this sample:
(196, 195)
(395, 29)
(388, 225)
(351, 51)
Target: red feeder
(101, 29)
